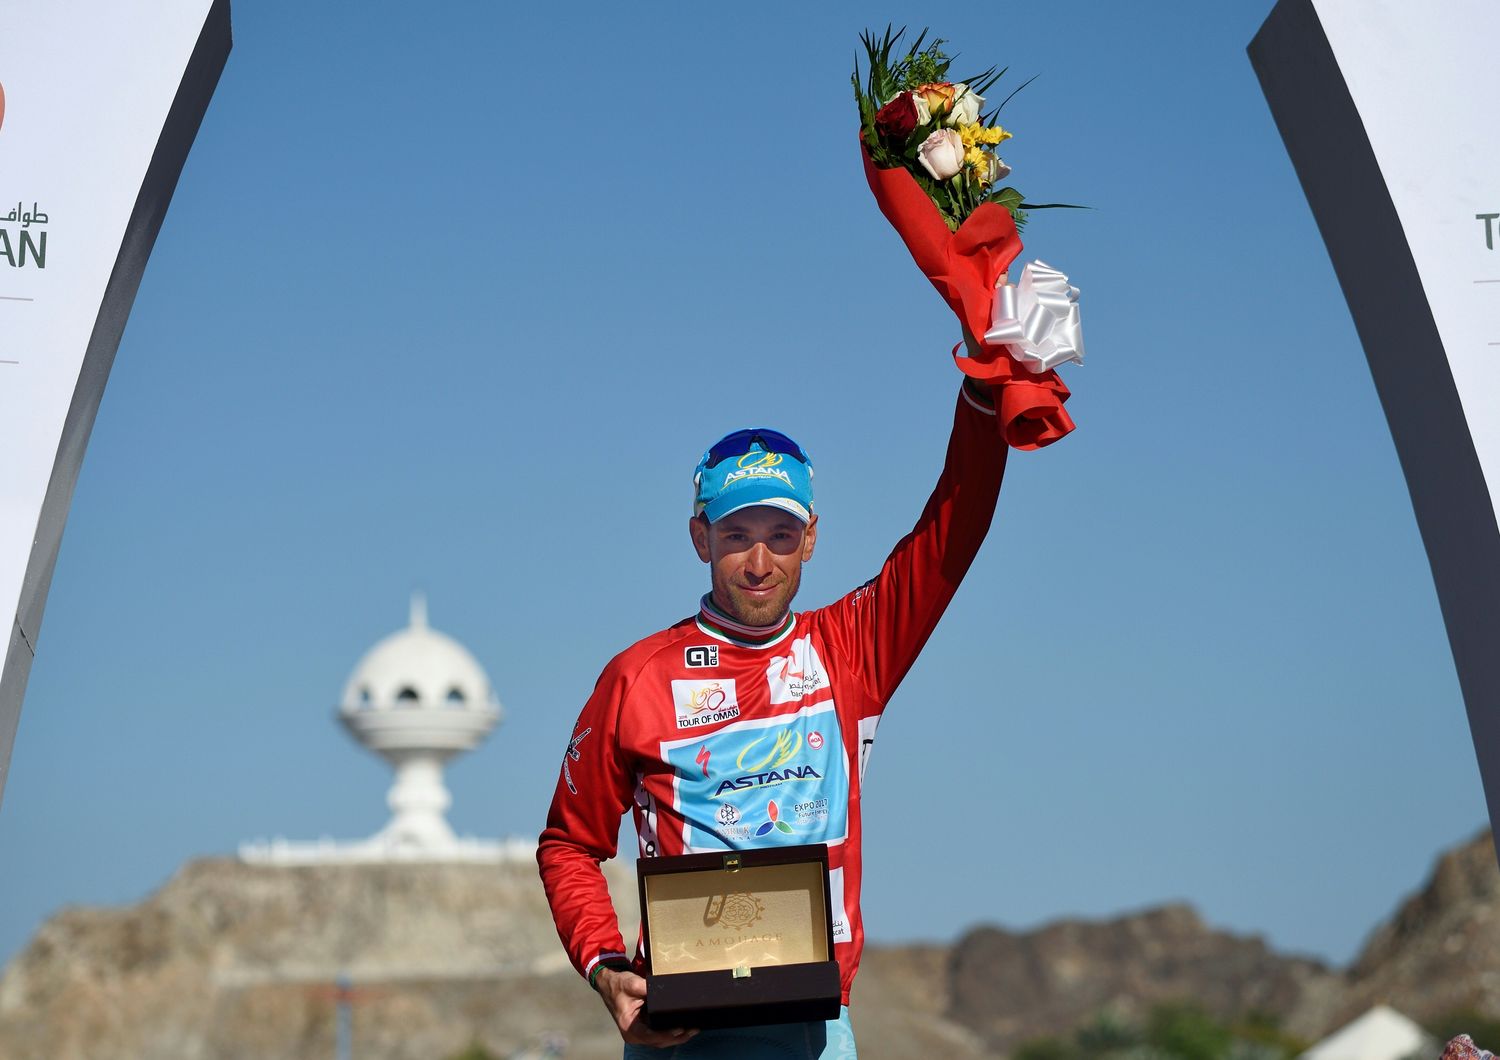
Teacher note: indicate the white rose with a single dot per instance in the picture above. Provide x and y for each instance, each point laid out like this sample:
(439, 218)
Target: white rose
(924, 113)
(942, 154)
(966, 104)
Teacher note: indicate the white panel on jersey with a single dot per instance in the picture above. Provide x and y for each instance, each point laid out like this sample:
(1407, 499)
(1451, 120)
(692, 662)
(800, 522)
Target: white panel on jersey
(797, 674)
(841, 930)
(867, 727)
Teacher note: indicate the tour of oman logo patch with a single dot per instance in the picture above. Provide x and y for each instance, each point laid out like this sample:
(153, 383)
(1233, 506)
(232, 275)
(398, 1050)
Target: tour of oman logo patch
(699, 703)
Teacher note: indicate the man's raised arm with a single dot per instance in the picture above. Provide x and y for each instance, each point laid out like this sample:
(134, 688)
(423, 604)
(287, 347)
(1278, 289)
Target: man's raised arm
(885, 622)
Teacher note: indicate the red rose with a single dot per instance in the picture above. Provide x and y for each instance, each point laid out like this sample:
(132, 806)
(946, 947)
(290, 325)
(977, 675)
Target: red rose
(897, 119)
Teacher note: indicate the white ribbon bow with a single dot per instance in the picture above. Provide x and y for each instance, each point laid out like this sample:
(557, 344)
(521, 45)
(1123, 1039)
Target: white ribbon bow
(1038, 319)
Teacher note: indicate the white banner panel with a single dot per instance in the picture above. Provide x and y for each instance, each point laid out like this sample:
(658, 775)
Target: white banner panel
(1385, 110)
(99, 103)
(1426, 82)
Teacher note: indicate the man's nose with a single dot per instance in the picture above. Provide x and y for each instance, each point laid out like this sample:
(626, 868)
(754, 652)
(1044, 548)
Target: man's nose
(758, 562)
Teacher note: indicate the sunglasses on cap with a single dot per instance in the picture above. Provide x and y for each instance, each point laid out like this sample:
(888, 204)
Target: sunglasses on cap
(741, 442)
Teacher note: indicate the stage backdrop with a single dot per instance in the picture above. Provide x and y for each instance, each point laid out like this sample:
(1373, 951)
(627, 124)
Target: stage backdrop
(99, 103)
(1387, 108)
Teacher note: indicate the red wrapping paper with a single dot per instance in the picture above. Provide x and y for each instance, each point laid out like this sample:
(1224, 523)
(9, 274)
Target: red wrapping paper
(964, 266)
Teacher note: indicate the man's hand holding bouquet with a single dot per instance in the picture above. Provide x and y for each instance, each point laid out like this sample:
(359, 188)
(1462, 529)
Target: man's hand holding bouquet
(930, 157)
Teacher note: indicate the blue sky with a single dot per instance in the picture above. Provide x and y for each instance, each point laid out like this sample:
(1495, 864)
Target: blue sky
(453, 301)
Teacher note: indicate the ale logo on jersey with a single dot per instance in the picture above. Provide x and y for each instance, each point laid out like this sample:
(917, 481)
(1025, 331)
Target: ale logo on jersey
(698, 656)
(700, 703)
(797, 674)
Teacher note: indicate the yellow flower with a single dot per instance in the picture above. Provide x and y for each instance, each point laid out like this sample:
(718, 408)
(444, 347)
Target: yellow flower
(994, 135)
(974, 157)
(971, 133)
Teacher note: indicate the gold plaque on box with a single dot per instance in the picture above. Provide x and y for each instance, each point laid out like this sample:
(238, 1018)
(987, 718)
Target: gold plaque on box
(739, 938)
(749, 918)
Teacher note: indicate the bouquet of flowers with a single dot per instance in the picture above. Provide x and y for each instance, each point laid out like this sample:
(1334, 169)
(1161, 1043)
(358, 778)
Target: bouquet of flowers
(930, 158)
(1463, 1048)
(913, 116)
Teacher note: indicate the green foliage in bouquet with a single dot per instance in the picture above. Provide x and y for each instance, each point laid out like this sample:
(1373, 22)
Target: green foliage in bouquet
(913, 116)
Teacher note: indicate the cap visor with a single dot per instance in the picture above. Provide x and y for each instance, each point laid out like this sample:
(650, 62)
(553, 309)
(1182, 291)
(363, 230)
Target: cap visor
(754, 495)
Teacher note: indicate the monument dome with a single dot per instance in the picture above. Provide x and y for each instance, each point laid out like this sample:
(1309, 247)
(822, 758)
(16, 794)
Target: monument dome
(417, 699)
(419, 667)
(419, 691)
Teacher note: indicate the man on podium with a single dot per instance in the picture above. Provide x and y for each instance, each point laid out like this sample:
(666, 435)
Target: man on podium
(747, 725)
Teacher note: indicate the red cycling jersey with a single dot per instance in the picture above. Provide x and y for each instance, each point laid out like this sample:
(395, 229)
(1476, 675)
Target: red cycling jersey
(720, 737)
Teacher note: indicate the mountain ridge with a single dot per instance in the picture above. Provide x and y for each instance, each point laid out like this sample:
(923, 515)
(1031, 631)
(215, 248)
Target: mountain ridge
(227, 960)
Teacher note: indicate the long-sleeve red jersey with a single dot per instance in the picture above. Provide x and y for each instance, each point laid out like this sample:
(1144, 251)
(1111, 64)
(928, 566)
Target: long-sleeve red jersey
(717, 738)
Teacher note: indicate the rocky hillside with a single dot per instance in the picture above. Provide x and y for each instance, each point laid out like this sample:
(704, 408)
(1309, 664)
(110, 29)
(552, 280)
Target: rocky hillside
(1008, 987)
(1441, 951)
(229, 961)
(1439, 954)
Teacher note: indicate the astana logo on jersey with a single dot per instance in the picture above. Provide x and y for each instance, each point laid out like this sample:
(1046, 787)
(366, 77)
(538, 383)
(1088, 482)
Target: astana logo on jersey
(763, 762)
(796, 674)
(769, 782)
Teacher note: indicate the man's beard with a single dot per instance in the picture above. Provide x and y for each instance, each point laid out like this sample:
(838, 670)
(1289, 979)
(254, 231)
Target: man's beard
(757, 612)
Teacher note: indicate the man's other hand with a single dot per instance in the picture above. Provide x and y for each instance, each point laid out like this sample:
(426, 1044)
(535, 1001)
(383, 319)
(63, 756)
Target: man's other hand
(624, 994)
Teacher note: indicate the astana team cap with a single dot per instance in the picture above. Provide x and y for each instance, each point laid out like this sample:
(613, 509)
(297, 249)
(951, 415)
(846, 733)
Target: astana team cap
(753, 466)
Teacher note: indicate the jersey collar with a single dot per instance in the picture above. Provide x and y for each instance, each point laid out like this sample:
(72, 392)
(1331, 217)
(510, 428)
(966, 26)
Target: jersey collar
(717, 624)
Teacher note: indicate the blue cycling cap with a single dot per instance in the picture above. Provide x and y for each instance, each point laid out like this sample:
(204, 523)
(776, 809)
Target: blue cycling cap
(750, 467)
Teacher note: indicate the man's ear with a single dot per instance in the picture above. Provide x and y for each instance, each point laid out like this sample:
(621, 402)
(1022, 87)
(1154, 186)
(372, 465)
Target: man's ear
(809, 538)
(698, 531)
